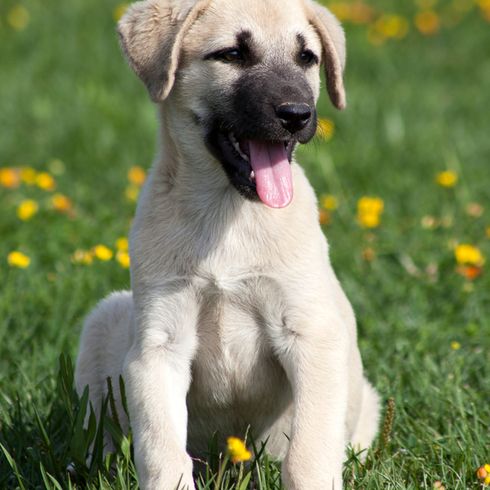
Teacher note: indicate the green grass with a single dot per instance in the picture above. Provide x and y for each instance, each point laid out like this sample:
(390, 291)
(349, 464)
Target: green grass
(416, 107)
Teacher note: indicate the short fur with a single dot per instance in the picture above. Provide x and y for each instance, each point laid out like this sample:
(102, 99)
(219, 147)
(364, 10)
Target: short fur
(236, 317)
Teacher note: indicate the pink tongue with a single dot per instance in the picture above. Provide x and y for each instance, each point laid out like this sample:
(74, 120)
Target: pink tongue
(272, 173)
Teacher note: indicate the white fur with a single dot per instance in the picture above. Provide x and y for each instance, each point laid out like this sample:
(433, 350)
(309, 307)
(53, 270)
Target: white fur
(235, 316)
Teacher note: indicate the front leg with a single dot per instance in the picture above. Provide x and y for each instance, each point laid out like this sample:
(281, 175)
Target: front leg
(313, 351)
(157, 375)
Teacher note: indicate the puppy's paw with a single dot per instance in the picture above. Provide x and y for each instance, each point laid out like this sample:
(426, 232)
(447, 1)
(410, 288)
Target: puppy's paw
(174, 475)
(322, 482)
(305, 476)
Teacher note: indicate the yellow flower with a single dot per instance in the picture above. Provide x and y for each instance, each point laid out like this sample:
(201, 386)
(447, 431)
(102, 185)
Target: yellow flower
(27, 209)
(483, 473)
(357, 12)
(325, 129)
(119, 11)
(18, 17)
(374, 205)
(448, 178)
(136, 176)
(132, 193)
(45, 182)
(122, 244)
(369, 211)
(83, 257)
(455, 345)
(103, 253)
(9, 177)
(329, 202)
(369, 220)
(237, 450)
(18, 259)
(28, 175)
(123, 258)
(466, 254)
(427, 22)
(61, 203)
(392, 26)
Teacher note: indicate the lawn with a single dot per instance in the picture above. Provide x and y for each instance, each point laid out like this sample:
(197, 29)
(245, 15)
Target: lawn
(77, 134)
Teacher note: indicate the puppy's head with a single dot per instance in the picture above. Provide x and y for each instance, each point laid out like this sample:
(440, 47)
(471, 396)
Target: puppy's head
(244, 76)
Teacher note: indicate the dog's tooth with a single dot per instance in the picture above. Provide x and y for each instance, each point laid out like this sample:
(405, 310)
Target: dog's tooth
(252, 175)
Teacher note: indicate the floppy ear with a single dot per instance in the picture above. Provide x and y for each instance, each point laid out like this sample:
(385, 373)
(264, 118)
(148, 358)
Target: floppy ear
(151, 34)
(333, 41)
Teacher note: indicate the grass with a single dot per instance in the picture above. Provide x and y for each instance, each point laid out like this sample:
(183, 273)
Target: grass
(417, 106)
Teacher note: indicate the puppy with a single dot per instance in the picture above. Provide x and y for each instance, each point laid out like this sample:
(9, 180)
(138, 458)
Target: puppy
(236, 317)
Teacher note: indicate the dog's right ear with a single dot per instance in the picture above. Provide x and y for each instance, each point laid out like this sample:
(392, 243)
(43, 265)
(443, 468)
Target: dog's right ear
(151, 34)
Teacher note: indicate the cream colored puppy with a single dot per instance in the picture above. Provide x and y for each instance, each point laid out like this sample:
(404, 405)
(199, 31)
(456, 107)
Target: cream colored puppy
(235, 317)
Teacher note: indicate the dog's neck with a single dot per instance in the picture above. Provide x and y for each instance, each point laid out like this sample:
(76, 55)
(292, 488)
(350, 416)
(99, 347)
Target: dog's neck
(186, 171)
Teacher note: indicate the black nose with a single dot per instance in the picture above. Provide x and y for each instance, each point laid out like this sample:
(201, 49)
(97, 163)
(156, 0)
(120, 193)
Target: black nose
(294, 117)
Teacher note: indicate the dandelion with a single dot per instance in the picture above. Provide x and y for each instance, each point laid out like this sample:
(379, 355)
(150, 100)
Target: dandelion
(83, 257)
(9, 177)
(329, 202)
(18, 17)
(483, 473)
(27, 209)
(455, 345)
(370, 205)
(467, 254)
(357, 12)
(18, 259)
(28, 175)
(136, 176)
(103, 253)
(470, 272)
(447, 179)
(325, 129)
(45, 182)
(392, 26)
(485, 8)
(369, 211)
(238, 450)
(119, 11)
(427, 22)
(61, 203)
(123, 259)
(122, 244)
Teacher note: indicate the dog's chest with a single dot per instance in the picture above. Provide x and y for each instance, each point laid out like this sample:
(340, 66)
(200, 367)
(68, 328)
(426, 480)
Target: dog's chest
(236, 376)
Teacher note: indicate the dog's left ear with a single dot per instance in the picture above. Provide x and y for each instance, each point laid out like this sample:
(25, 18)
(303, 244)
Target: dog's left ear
(151, 35)
(334, 52)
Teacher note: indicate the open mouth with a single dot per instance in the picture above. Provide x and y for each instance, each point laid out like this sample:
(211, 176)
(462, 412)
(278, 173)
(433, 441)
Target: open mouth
(257, 168)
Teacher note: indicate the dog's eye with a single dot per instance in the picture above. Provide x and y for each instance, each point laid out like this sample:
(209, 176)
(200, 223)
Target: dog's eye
(308, 57)
(229, 56)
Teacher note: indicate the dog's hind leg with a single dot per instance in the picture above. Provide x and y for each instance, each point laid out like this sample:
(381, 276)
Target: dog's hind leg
(367, 422)
(103, 347)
